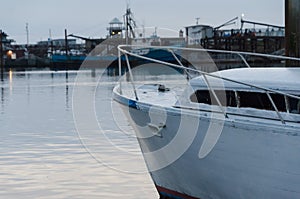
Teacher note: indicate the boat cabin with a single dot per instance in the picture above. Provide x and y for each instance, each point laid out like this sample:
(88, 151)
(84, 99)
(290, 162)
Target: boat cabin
(283, 81)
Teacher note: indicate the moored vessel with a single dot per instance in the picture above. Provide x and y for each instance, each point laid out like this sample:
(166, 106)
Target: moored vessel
(224, 134)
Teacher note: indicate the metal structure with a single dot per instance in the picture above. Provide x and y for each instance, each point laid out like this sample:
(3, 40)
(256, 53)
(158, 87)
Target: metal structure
(228, 23)
(129, 25)
(260, 24)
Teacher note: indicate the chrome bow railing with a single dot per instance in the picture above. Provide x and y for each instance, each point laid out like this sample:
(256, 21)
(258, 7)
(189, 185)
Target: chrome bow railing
(123, 50)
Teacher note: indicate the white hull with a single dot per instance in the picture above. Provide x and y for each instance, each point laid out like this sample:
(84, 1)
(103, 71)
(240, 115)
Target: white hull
(230, 134)
(250, 160)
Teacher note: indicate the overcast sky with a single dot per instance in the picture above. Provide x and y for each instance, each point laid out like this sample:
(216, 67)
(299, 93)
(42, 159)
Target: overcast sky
(90, 18)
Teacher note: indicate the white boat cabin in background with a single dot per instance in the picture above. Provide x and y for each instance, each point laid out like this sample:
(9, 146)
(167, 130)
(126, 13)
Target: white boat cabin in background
(195, 33)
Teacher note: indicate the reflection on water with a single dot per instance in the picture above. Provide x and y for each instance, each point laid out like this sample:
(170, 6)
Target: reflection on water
(41, 154)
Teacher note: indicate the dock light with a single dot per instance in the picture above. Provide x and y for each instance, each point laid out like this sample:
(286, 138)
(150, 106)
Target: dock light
(9, 53)
(242, 16)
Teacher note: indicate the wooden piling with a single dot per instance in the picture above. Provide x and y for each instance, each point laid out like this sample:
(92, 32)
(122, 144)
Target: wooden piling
(1, 55)
(292, 28)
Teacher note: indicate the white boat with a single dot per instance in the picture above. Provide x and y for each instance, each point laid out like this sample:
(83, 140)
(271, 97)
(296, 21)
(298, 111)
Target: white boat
(230, 134)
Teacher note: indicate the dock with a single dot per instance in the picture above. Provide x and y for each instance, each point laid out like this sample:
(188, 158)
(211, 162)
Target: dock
(247, 43)
(65, 53)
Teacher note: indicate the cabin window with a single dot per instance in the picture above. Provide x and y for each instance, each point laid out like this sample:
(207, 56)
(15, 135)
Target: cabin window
(226, 98)
(261, 101)
(245, 99)
(294, 105)
(254, 100)
(279, 102)
(201, 96)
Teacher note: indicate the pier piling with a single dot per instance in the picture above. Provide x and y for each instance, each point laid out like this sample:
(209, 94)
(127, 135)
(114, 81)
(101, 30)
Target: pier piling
(292, 28)
(1, 56)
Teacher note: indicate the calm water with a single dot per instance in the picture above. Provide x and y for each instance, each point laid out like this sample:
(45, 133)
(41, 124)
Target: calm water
(62, 137)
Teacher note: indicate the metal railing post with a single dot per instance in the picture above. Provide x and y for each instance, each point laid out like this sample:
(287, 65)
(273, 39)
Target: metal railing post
(215, 96)
(244, 60)
(180, 63)
(120, 70)
(275, 107)
(131, 77)
(287, 105)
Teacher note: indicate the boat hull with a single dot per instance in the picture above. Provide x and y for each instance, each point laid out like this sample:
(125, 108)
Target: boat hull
(250, 159)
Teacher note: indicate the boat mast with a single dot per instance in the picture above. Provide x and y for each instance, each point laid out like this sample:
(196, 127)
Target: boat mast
(129, 25)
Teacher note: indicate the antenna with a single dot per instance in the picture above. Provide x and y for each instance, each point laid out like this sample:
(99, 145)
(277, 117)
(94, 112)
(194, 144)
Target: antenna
(50, 34)
(27, 34)
(127, 4)
(155, 32)
(144, 31)
(197, 20)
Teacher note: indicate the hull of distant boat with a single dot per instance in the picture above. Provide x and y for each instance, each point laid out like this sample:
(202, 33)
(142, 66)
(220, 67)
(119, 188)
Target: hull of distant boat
(250, 159)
